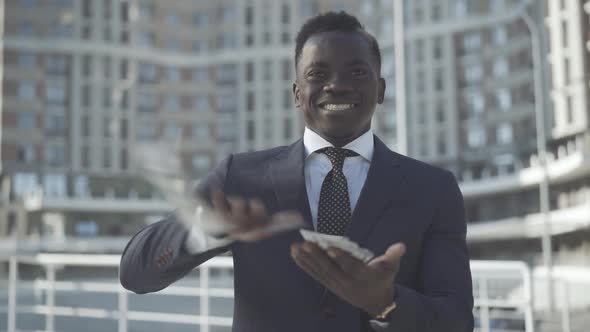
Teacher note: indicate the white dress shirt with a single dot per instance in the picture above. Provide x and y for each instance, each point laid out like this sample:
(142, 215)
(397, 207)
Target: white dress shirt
(317, 166)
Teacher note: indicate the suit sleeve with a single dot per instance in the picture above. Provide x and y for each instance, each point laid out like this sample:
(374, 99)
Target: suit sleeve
(156, 256)
(443, 301)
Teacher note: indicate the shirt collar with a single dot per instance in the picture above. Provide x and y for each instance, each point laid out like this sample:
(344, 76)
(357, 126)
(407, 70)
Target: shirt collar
(363, 145)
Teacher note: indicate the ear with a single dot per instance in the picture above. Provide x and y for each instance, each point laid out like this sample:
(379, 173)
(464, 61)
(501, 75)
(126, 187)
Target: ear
(296, 94)
(381, 91)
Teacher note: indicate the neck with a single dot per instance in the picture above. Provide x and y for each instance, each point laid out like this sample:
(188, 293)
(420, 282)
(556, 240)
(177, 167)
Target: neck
(340, 141)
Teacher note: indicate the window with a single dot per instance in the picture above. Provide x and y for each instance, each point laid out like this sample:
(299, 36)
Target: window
(460, 8)
(566, 71)
(26, 153)
(85, 124)
(250, 101)
(227, 103)
(25, 29)
(475, 102)
(504, 133)
(147, 102)
(439, 79)
(146, 10)
(147, 72)
(108, 126)
(201, 162)
(476, 136)
(63, 30)
(172, 18)
(55, 155)
(249, 71)
(497, 5)
(473, 73)
(227, 40)
(287, 99)
(146, 39)
(146, 131)
(27, 120)
(227, 73)
(24, 183)
(106, 67)
(227, 132)
(172, 131)
(564, 33)
(472, 41)
(500, 67)
(288, 128)
(54, 185)
(87, 65)
(173, 74)
(419, 50)
(285, 13)
(438, 48)
(27, 60)
(500, 35)
(504, 99)
(200, 19)
(200, 74)
(201, 103)
(172, 103)
(55, 64)
(55, 124)
(200, 131)
(55, 94)
(106, 157)
(172, 44)
(228, 14)
(27, 90)
(198, 46)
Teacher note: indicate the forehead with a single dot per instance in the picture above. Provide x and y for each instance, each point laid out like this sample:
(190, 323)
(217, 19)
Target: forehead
(336, 47)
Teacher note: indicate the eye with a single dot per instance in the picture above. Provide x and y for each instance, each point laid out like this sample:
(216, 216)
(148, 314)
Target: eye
(316, 74)
(359, 72)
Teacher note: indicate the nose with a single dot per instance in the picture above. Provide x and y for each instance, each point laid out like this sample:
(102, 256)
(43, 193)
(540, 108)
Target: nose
(338, 85)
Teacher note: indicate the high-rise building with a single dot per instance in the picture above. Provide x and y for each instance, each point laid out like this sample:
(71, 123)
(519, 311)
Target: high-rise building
(85, 82)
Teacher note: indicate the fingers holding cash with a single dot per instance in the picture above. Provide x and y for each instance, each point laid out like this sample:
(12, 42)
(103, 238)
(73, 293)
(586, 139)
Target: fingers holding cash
(248, 220)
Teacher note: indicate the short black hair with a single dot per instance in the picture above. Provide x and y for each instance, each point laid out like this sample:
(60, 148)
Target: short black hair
(333, 21)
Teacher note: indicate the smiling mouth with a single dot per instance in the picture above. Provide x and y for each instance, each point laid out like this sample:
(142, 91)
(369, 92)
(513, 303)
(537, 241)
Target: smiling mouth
(333, 107)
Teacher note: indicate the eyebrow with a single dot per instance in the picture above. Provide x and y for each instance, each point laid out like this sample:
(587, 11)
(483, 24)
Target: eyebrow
(323, 64)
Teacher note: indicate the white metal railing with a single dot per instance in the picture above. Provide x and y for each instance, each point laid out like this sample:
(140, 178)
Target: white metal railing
(503, 293)
(52, 262)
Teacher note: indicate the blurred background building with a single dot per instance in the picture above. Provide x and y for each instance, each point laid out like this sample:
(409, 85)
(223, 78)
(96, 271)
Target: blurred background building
(86, 81)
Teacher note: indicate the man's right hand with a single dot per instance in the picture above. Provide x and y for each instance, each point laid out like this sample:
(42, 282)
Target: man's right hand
(248, 220)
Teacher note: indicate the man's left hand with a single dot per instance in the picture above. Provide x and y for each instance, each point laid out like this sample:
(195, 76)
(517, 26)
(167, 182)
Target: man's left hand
(368, 286)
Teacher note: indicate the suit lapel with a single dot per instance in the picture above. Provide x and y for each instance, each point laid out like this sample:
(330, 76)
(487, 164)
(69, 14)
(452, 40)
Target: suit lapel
(380, 190)
(288, 181)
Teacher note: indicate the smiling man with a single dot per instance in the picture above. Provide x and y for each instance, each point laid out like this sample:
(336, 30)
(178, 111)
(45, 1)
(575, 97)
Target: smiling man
(339, 179)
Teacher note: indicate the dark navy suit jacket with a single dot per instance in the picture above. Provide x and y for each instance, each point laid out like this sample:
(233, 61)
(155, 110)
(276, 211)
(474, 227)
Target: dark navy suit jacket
(403, 200)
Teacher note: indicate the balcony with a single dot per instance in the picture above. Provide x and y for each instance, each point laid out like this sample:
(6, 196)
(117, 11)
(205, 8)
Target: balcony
(530, 226)
(572, 161)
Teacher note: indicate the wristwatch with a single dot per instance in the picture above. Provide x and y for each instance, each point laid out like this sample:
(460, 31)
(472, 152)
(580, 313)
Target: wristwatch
(383, 315)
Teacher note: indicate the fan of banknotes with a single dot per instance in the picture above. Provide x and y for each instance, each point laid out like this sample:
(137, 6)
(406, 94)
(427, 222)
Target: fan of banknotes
(161, 165)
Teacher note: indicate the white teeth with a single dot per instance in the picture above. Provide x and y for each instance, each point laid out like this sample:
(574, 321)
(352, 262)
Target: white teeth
(337, 107)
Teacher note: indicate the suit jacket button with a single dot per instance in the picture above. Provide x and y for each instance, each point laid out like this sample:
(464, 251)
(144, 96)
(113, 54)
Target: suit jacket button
(328, 312)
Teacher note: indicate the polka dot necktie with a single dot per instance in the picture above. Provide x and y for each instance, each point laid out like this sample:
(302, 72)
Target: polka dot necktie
(334, 212)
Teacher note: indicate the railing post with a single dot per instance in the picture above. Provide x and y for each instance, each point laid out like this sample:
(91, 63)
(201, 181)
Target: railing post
(529, 319)
(12, 284)
(565, 307)
(484, 309)
(123, 309)
(204, 298)
(50, 298)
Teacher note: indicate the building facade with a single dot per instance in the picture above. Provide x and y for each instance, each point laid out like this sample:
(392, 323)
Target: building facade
(87, 82)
